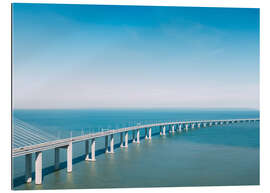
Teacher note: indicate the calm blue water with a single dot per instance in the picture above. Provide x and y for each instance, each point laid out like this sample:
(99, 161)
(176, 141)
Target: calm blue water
(222, 155)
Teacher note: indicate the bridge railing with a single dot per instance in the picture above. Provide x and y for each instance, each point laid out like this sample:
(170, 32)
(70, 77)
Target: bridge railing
(105, 132)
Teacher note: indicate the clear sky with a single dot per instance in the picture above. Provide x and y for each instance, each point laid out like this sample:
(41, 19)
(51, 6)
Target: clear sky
(85, 56)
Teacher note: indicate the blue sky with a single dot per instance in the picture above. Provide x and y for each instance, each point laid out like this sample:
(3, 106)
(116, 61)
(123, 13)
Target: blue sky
(86, 56)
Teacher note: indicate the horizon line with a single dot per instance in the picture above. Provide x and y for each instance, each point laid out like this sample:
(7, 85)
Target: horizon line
(138, 108)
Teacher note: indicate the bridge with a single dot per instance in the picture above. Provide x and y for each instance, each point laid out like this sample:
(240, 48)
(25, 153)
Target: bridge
(28, 140)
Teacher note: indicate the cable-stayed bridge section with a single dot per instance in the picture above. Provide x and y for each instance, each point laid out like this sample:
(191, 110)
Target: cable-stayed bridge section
(27, 139)
(24, 134)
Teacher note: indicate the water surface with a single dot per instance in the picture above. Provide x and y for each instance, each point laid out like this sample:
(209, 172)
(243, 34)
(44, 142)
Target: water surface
(218, 155)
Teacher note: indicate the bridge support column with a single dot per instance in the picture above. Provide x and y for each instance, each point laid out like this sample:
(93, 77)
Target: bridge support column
(163, 130)
(138, 136)
(38, 168)
(28, 168)
(221, 123)
(87, 150)
(69, 157)
(133, 137)
(150, 133)
(199, 125)
(186, 128)
(112, 144)
(121, 139)
(160, 130)
(192, 125)
(56, 158)
(180, 127)
(93, 150)
(172, 128)
(210, 124)
(204, 124)
(145, 133)
(216, 123)
(126, 139)
(106, 144)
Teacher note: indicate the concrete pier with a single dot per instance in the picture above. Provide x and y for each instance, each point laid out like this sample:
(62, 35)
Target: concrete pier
(192, 126)
(133, 137)
(210, 124)
(216, 123)
(121, 140)
(87, 150)
(180, 127)
(145, 133)
(112, 144)
(186, 128)
(138, 136)
(69, 157)
(28, 168)
(160, 130)
(204, 124)
(163, 130)
(172, 128)
(199, 125)
(56, 158)
(38, 168)
(106, 144)
(150, 133)
(93, 150)
(126, 139)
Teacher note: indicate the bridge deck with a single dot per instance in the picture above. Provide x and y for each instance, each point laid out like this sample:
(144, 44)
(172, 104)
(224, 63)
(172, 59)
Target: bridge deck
(64, 142)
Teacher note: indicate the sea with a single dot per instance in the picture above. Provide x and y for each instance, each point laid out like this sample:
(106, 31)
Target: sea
(224, 155)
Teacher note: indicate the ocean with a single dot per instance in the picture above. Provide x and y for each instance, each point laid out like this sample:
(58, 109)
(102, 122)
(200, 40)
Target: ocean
(212, 156)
